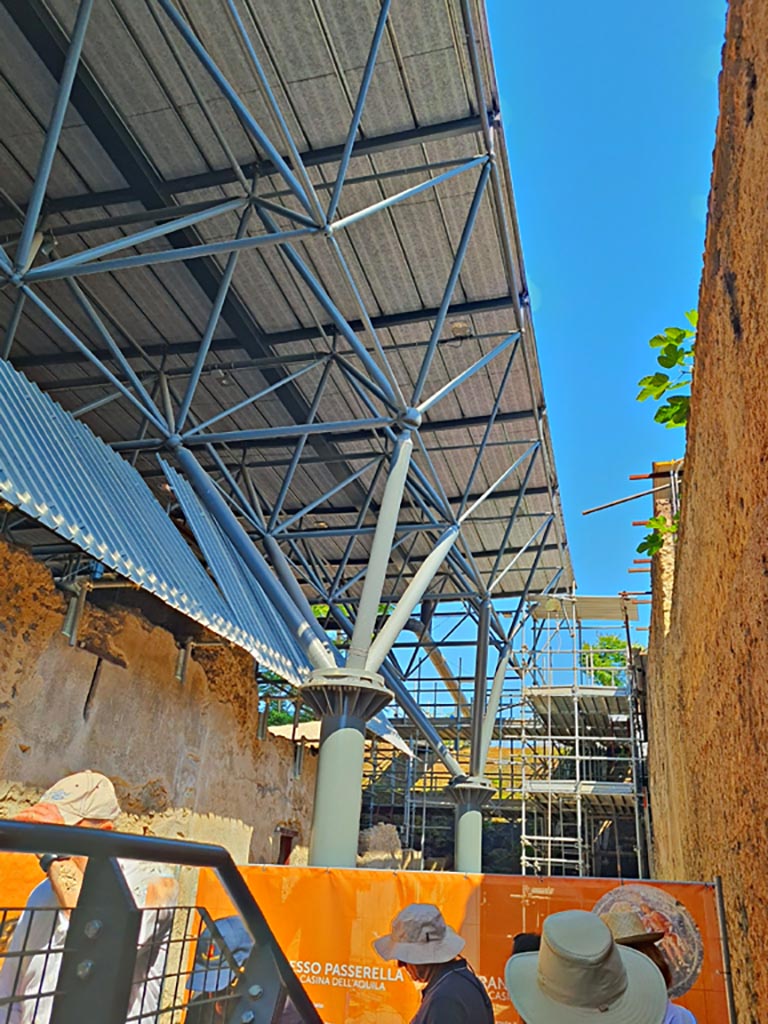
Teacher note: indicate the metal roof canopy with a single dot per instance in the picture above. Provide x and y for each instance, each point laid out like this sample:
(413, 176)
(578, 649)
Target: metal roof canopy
(585, 609)
(273, 240)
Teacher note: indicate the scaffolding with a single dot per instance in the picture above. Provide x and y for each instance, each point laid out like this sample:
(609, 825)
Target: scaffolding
(566, 757)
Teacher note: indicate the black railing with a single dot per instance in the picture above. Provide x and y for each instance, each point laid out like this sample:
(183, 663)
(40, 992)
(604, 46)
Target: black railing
(119, 963)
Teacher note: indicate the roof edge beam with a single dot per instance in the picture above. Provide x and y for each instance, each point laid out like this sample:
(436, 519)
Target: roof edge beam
(264, 168)
(381, 322)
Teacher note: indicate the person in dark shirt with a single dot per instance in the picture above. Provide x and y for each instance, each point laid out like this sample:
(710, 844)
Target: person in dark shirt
(526, 942)
(428, 950)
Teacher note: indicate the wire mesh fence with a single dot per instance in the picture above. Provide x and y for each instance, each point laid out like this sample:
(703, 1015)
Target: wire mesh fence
(124, 947)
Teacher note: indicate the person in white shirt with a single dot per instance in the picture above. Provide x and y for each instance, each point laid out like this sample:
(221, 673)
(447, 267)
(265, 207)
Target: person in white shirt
(628, 929)
(30, 970)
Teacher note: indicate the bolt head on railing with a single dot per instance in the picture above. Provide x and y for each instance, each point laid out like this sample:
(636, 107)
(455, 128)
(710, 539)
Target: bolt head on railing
(84, 969)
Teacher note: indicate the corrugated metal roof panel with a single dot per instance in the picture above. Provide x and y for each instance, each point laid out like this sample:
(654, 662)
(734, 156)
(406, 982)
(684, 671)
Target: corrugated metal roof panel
(269, 639)
(54, 470)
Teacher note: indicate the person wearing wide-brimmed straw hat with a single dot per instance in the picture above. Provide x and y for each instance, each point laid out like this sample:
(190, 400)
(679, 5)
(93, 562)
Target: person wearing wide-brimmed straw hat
(428, 950)
(580, 974)
(628, 929)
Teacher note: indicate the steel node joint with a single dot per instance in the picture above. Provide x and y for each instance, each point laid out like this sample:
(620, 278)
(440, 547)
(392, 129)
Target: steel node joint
(470, 793)
(410, 419)
(351, 695)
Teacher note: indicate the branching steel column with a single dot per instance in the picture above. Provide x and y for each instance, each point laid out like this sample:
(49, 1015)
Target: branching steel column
(380, 553)
(344, 702)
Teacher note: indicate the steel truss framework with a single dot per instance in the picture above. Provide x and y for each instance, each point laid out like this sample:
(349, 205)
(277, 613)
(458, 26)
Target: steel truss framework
(565, 757)
(333, 459)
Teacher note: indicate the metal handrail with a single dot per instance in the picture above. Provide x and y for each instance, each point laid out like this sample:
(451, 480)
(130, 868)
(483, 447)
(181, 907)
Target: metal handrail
(28, 837)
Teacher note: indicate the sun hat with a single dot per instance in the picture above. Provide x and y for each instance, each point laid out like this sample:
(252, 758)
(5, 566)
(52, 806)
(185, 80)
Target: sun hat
(581, 975)
(628, 928)
(82, 795)
(420, 935)
(212, 970)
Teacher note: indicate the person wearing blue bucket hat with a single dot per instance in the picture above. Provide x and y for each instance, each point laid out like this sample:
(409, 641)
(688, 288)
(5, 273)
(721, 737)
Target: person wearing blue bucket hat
(219, 954)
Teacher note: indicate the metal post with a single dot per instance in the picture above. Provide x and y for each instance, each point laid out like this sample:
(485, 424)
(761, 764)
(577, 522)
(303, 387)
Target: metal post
(82, 300)
(465, 375)
(492, 708)
(289, 581)
(577, 772)
(406, 702)
(344, 702)
(469, 797)
(408, 193)
(96, 973)
(124, 391)
(52, 135)
(636, 788)
(727, 974)
(53, 271)
(481, 686)
(277, 113)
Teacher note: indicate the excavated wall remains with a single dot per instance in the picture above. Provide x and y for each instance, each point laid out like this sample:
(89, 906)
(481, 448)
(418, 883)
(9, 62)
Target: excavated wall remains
(184, 757)
(708, 676)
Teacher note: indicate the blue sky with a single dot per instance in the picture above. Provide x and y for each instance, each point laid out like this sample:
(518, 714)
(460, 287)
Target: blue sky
(609, 111)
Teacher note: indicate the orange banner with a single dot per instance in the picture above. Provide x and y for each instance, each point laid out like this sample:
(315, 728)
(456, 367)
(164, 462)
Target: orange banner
(326, 920)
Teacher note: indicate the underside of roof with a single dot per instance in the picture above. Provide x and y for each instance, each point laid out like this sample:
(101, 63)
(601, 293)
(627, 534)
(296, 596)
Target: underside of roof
(283, 236)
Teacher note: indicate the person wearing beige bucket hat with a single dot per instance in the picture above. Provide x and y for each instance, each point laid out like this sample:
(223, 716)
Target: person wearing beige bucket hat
(580, 974)
(428, 950)
(628, 929)
(29, 973)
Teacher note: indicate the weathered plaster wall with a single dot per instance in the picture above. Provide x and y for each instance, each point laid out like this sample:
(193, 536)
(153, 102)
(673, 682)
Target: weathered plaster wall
(184, 757)
(709, 678)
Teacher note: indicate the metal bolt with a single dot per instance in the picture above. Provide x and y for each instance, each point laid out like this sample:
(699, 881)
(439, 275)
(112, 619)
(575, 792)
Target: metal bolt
(92, 929)
(248, 1016)
(255, 991)
(84, 968)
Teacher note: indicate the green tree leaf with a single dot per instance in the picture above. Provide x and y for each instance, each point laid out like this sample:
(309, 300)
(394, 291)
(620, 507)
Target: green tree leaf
(606, 660)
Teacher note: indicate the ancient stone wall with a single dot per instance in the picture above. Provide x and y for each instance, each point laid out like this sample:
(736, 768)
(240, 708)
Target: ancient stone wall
(708, 678)
(184, 757)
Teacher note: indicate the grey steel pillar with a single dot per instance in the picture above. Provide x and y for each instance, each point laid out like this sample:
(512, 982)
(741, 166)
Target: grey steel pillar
(344, 701)
(469, 797)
